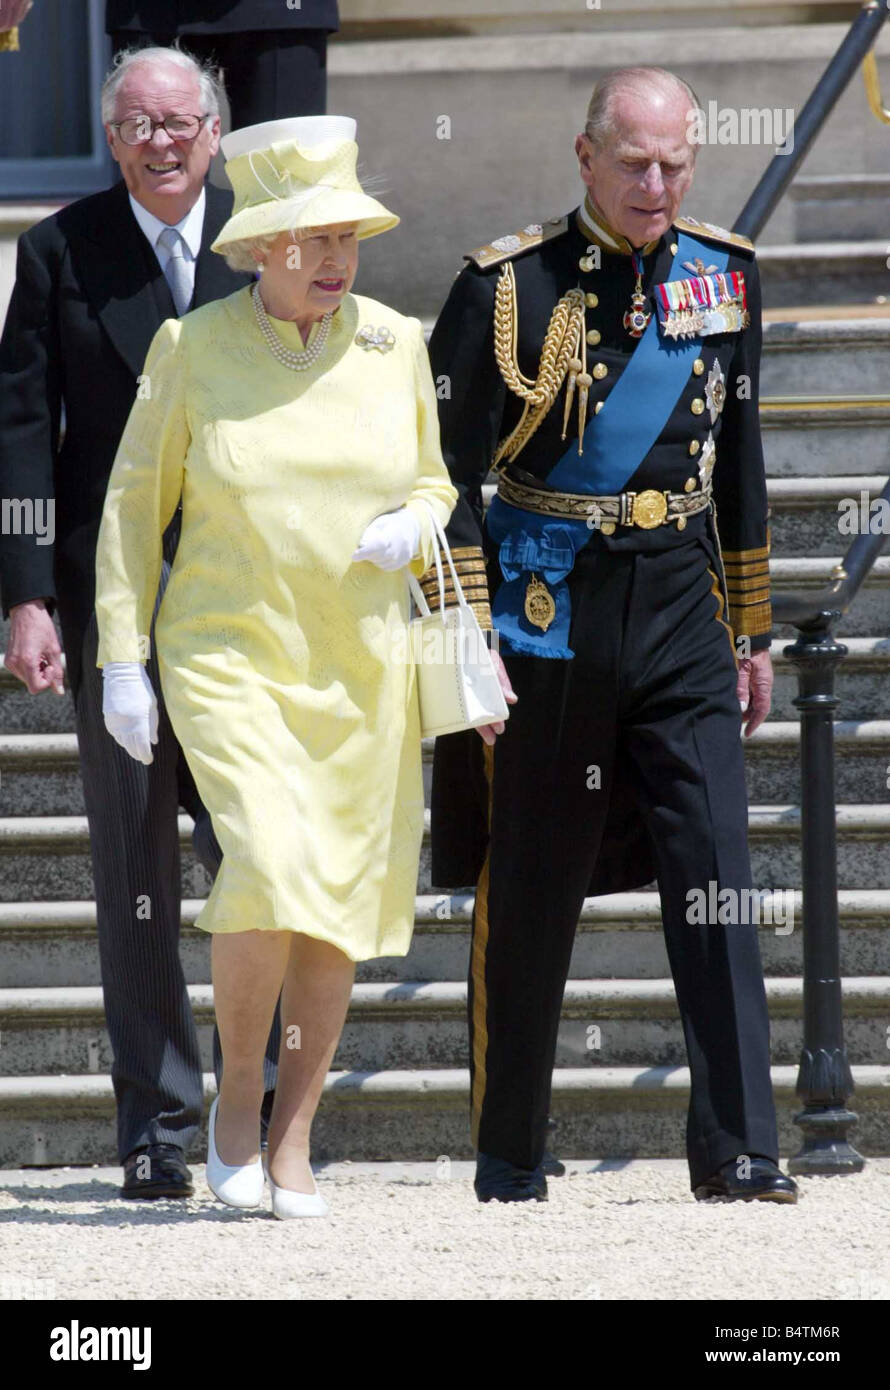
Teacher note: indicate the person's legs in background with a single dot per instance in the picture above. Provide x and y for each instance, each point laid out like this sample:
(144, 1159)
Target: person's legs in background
(134, 835)
(269, 75)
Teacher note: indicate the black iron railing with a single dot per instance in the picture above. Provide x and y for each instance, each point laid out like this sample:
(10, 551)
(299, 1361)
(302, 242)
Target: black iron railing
(824, 1081)
(830, 87)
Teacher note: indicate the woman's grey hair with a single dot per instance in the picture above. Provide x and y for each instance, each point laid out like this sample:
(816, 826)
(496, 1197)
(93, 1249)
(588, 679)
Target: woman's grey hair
(600, 126)
(209, 83)
(238, 256)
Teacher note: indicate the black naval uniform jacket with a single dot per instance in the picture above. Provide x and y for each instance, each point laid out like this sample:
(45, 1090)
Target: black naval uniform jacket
(477, 410)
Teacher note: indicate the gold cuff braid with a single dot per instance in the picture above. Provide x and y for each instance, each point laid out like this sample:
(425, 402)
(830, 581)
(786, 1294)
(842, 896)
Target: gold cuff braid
(748, 588)
(9, 40)
(469, 562)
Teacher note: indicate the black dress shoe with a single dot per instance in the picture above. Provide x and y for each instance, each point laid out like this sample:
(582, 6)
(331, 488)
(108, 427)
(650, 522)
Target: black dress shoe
(766, 1183)
(156, 1170)
(499, 1180)
(551, 1166)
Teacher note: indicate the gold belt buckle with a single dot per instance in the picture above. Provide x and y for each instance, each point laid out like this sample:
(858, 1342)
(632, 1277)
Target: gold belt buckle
(650, 509)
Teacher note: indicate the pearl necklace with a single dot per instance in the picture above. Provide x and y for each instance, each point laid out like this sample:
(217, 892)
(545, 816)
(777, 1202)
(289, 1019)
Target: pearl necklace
(296, 361)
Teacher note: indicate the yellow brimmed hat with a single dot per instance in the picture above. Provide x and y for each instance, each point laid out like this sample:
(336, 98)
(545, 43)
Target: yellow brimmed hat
(287, 175)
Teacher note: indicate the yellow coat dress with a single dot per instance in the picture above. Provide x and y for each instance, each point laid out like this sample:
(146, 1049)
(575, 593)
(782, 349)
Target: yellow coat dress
(282, 662)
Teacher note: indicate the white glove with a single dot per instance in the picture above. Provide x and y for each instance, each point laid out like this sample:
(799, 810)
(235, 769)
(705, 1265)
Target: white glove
(390, 541)
(129, 708)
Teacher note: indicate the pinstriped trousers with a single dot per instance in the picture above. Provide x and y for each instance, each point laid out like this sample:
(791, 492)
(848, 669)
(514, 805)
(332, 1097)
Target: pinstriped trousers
(134, 841)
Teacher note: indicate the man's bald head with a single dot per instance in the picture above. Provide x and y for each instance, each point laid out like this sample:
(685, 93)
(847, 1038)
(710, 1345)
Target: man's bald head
(639, 87)
(635, 154)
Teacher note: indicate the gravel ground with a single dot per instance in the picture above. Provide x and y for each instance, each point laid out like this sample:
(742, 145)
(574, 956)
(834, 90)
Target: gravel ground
(611, 1230)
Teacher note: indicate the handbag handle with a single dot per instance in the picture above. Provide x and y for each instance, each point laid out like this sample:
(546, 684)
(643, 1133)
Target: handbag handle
(439, 540)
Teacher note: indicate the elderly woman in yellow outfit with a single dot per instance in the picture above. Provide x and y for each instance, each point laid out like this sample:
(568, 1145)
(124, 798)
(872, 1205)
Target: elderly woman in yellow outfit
(297, 423)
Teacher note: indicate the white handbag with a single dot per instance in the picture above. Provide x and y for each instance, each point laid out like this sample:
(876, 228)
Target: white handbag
(457, 684)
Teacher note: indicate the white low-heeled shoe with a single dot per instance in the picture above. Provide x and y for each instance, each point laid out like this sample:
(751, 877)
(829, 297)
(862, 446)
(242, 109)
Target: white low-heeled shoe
(287, 1205)
(238, 1186)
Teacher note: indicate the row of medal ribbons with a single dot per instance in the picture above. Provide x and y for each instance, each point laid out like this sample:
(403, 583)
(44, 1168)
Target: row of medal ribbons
(703, 304)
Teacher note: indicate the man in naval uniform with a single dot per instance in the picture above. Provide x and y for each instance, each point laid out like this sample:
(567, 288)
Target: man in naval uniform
(606, 363)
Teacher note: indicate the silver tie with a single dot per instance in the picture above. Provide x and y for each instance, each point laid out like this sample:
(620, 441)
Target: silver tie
(176, 271)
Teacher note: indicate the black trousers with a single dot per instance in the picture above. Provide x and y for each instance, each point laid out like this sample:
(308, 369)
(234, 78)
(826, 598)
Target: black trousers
(134, 840)
(269, 74)
(649, 695)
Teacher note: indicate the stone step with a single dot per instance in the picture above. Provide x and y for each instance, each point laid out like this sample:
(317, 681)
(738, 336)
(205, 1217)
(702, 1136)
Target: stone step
(40, 774)
(21, 713)
(826, 436)
(622, 1112)
(39, 770)
(812, 517)
(862, 685)
(421, 18)
(53, 944)
(48, 856)
(414, 1024)
(40, 777)
(823, 272)
(847, 206)
(869, 615)
(862, 761)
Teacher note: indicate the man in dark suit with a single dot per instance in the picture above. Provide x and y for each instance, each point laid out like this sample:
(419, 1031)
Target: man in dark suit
(94, 282)
(273, 54)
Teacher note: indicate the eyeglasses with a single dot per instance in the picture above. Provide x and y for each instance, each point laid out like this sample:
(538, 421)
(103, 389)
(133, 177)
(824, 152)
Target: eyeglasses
(139, 130)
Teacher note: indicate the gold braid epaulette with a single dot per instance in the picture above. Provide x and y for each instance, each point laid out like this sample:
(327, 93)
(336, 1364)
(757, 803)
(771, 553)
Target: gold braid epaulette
(564, 339)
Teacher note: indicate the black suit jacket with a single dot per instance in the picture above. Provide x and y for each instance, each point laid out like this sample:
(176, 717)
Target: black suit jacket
(217, 16)
(89, 297)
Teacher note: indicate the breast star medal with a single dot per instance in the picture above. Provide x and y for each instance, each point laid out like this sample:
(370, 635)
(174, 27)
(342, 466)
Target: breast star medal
(715, 391)
(539, 606)
(707, 461)
(636, 320)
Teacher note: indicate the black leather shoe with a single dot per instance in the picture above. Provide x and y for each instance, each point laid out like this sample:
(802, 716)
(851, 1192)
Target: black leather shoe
(162, 1172)
(766, 1183)
(499, 1180)
(550, 1164)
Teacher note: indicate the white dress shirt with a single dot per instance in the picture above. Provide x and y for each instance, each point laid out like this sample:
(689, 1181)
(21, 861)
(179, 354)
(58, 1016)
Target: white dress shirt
(190, 229)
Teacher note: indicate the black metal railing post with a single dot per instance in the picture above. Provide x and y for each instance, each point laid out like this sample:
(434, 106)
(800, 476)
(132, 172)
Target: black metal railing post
(824, 1079)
